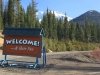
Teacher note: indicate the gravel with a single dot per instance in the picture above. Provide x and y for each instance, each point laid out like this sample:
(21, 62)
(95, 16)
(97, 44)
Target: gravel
(61, 63)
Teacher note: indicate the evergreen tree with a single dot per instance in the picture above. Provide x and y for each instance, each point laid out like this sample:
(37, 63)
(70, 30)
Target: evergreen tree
(98, 33)
(44, 24)
(22, 18)
(54, 24)
(50, 26)
(60, 29)
(28, 17)
(37, 23)
(1, 22)
(5, 18)
(33, 11)
(65, 29)
(19, 14)
(31, 15)
(72, 31)
(93, 33)
(79, 34)
(1, 7)
(11, 14)
(1, 14)
(87, 32)
(49, 23)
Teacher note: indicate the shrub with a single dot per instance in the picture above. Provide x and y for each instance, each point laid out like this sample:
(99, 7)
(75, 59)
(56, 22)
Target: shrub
(67, 45)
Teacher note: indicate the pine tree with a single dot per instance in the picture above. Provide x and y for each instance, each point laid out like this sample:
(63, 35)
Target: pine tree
(44, 24)
(79, 34)
(11, 14)
(33, 11)
(31, 15)
(37, 23)
(28, 17)
(49, 23)
(15, 14)
(1, 22)
(1, 7)
(22, 18)
(98, 33)
(1, 14)
(93, 33)
(19, 14)
(65, 29)
(54, 24)
(87, 32)
(5, 18)
(49, 15)
(60, 29)
(72, 31)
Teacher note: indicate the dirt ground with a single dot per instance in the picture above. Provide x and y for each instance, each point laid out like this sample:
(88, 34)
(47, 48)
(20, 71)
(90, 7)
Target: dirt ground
(61, 63)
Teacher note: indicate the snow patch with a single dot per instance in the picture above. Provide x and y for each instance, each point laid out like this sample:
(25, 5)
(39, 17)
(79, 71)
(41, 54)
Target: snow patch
(57, 14)
(91, 11)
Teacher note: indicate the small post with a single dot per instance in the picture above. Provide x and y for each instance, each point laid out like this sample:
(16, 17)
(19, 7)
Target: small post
(44, 56)
(36, 63)
(5, 57)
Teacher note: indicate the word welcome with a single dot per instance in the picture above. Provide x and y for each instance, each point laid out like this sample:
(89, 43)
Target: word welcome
(23, 41)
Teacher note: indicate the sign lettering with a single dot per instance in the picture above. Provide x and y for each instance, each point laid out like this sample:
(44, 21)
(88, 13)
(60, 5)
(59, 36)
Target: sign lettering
(24, 42)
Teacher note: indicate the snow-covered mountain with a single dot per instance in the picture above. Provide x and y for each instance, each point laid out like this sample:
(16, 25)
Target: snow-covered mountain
(57, 14)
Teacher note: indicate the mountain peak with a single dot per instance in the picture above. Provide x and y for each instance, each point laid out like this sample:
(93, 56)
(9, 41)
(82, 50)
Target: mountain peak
(91, 16)
(92, 12)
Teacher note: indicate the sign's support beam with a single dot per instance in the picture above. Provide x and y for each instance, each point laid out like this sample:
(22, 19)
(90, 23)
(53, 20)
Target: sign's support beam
(5, 57)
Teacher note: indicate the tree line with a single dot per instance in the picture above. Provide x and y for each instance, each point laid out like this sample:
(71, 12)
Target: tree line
(13, 15)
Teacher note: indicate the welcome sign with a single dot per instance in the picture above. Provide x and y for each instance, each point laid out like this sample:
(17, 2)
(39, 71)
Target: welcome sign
(23, 45)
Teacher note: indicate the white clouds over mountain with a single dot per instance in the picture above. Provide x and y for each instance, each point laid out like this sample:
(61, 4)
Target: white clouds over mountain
(57, 14)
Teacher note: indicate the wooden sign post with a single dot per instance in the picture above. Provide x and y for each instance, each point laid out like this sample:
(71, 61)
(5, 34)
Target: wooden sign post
(24, 42)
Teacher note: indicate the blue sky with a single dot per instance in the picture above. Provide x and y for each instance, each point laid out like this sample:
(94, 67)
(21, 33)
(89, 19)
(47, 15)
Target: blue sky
(73, 8)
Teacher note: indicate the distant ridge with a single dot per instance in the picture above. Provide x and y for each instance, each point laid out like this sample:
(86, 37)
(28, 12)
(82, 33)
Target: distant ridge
(91, 16)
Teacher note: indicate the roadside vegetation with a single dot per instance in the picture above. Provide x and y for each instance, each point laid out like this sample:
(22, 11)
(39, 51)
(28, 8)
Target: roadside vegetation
(53, 45)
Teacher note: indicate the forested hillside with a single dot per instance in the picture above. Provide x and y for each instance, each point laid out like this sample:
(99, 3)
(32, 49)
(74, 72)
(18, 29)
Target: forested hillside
(60, 34)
